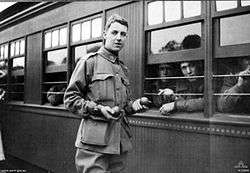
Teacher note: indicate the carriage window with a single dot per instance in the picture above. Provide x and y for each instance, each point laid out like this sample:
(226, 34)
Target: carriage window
(55, 66)
(85, 30)
(225, 5)
(55, 38)
(232, 31)
(155, 12)
(3, 66)
(168, 40)
(165, 11)
(88, 29)
(172, 82)
(191, 8)
(232, 78)
(17, 66)
(172, 10)
(245, 3)
(96, 27)
(183, 79)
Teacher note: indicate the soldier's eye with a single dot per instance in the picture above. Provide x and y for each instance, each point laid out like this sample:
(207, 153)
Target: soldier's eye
(114, 32)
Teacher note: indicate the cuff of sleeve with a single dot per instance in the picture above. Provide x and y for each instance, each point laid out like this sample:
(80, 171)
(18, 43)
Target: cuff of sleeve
(91, 107)
(237, 89)
(128, 108)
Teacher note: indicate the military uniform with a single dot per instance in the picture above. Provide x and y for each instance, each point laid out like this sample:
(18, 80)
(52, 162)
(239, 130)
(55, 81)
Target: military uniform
(100, 79)
(190, 103)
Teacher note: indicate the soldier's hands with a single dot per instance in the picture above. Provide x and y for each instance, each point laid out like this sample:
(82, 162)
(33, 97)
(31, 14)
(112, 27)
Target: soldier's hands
(141, 104)
(108, 112)
(244, 77)
(2, 95)
(165, 91)
(167, 94)
(167, 108)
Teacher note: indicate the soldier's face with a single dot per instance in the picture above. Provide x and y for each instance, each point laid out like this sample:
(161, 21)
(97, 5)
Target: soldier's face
(115, 36)
(245, 63)
(189, 70)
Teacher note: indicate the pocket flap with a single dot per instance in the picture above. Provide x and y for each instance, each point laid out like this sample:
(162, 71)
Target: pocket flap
(101, 76)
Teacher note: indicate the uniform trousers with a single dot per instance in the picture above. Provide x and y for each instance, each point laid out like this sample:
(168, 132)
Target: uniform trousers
(87, 161)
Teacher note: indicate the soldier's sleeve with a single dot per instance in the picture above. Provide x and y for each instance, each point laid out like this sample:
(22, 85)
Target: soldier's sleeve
(189, 105)
(228, 102)
(75, 94)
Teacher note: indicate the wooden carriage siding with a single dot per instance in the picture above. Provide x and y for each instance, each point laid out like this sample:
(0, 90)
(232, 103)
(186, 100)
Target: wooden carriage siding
(42, 137)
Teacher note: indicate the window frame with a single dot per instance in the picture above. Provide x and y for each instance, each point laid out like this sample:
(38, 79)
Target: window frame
(165, 57)
(54, 68)
(73, 45)
(21, 72)
(91, 39)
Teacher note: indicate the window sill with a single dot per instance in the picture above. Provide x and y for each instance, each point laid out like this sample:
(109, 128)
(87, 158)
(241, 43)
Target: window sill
(149, 115)
(218, 118)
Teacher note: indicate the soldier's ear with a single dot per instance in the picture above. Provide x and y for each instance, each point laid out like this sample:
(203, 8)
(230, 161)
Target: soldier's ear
(104, 35)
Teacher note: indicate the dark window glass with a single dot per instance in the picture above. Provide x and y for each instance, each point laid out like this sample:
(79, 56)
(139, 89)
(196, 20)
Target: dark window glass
(232, 81)
(235, 30)
(170, 39)
(184, 80)
(3, 71)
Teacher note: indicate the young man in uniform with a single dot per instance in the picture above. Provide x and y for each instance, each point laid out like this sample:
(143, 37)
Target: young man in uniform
(99, 93)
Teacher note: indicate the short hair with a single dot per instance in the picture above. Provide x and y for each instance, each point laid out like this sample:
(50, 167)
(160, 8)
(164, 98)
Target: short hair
(191, 41)
(115, 18)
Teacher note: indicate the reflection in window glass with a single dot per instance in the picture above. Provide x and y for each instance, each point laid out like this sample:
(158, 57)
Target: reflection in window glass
(22, 47)
(170, 39)
(6, 51)
(55, 38)
(86, 30)
(232, 32)
(18, 63)
(172, 10)
(155, 12)
(245, 2)
(96, 27)
(76, 32)
(192, 8)
(226, 79)
(12, 49)
(63, 36)
(48, 40)
(225, 5)
(57, 57)
(82, 51)
(4, 71)
(17, 48)
(2, 52)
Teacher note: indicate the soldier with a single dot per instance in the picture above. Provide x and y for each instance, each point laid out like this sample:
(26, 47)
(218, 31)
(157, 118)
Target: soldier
(99, 92)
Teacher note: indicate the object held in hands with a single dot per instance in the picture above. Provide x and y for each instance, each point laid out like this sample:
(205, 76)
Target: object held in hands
(145, 102)
(117, 111)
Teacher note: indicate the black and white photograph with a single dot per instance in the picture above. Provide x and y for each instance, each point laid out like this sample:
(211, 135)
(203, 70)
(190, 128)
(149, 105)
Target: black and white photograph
(141, 86)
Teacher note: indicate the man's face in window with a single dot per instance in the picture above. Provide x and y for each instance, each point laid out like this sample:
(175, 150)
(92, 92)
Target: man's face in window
(245, 63)
(189, 69)
(115, 36)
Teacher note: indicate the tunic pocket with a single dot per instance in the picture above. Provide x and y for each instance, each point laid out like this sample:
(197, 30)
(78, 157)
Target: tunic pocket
(95, 132)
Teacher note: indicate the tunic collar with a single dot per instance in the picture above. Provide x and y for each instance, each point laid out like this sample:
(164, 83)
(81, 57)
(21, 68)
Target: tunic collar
(108, 55)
